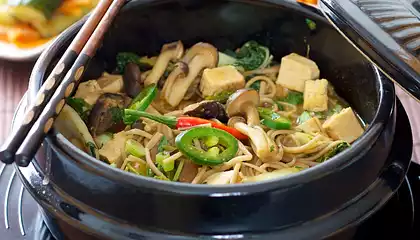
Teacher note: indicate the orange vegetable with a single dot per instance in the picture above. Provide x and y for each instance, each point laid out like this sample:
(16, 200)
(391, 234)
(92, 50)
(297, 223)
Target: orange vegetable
(22, 33)
(73, 7)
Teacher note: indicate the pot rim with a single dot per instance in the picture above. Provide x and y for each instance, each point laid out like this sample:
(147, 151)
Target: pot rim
(386, 104)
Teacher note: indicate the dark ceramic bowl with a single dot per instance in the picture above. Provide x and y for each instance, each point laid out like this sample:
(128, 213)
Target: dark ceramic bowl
(108, 202)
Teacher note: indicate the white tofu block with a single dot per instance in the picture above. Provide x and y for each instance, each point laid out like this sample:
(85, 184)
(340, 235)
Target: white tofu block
(316, 95)
(111, 83)
(343, 126)
(89, 91)
(311, 126)
(111, 151)
(295, 70)
(221, 79)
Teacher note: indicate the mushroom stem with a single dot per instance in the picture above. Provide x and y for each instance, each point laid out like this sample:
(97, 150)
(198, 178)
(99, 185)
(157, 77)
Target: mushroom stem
(252, 116)
(265, 148)
(171, 51)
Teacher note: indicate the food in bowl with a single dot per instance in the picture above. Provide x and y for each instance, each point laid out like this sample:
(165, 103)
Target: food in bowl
(31, 23)
(204, 116)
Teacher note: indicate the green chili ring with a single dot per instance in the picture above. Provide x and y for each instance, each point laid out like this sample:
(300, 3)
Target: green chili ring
(184, 143)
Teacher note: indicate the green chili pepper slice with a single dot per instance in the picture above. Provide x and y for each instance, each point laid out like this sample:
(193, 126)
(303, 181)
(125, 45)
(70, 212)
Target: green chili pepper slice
(184, 143)
(144, 98)
(141, 102)
(273, 120)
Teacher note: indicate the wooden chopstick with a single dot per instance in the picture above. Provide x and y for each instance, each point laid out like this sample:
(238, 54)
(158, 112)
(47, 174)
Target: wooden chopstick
(31, 133)
(12, 143)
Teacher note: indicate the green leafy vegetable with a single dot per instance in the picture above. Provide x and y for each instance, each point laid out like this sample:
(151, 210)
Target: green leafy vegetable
(80, 106)
(92, 148)
(279, 105)
(339, 148)
(256, 85)
(125, 58)
(305, 116)
(221, 97)
(252, 56)
(117, 114)
(225, 59)
(163, 142)
(294, 98)
(249, 57)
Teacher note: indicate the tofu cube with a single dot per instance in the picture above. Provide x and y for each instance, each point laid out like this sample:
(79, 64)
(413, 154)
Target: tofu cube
(221, 79)
(111, 151)
(311, 126)
(315, 97)
(111, 83)
(343, 126)
(89, 91)
(295, 70)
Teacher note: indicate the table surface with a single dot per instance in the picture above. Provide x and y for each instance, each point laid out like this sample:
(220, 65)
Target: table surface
(14, 82)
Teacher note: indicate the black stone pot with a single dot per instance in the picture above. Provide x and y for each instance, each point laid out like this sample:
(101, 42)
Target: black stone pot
(323, 201)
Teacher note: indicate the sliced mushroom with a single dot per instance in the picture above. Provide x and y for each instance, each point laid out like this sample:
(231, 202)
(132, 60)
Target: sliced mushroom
(199, 57)
(235, 119)
(207, 110)
(189, 171)
(106, 113)
(172, 51)
(265, 148)
(181, 70)
(132, 80)
(244, 102)
(193, 88)
(74, 129)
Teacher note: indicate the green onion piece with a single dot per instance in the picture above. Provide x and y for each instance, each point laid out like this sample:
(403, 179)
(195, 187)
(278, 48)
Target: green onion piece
(160, 157)
(211, 141)
(169, 148)
(214, 151)
(179, 170)
(168, 164)
(134, 148)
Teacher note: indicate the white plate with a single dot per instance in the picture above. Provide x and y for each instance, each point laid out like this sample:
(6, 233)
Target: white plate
(11, 52)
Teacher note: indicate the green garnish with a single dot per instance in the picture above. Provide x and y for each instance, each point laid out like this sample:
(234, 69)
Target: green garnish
(336, 150)
(256, 85)
(271, 148)
(221, 97)
(163, 142)
(294, 98)
(116, 114)
(80, 106)
(305, 116)
(92, 148)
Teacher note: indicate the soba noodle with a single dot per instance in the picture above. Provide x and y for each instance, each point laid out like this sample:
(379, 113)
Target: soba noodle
(295, 148)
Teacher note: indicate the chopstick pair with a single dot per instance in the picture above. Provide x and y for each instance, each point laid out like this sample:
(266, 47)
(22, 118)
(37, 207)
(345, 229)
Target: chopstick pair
(21, 146)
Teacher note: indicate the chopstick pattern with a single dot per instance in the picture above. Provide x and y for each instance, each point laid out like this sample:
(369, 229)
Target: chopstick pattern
(45, 121)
